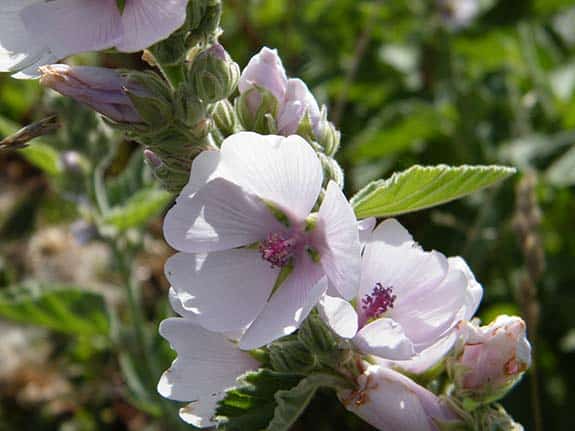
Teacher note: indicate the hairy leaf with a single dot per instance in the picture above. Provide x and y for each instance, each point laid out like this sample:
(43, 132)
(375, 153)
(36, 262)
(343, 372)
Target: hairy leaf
(422, 187)
(250, 406)
(139, 209)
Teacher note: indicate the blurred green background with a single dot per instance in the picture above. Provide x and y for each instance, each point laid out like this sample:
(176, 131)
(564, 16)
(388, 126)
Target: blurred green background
(406, 83)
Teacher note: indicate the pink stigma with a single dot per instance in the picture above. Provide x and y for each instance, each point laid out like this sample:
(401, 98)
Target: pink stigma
(277, 249)
(380, 300)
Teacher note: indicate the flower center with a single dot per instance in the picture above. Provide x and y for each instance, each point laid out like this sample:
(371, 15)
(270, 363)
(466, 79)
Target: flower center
(278, 249)
(378, 302)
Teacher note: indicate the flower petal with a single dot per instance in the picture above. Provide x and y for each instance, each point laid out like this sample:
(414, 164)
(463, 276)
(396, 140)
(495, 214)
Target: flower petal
(385, 338)
(207, 363)
(72, 26)
(18, 50)
(205, 167)
(339, 315)
(427, 316)
(219, 217)
(285, 171)
(338, 241)
(201, 413)
(428, 358)
(288, 306)
(145, 22)
(224, 290)
(391, 401)
(391, 232)
(474, 289)
(394, 260)
(365, 228)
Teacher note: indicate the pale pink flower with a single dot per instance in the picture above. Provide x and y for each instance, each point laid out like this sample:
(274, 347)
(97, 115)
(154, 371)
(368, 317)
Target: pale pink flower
(294, 99)
(243, 219)
(207, 364)
(38, 32)
(408, 303)
(491, 359)
(390, 401)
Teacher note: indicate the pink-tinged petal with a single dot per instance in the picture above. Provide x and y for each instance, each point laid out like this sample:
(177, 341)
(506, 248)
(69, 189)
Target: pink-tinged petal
(385, 338)
(32, 71)
(298, 102)
(474, 289)
(337, 240)
(145, 22)
(288, 306)
(264, 70)
(339, 315)
(18, 50)
(290, 117)
(219, 217)
(428, 358)
(206, 365)
(365, 228)
(391, 401)
(407, 269)
(72, 26)
(285, 171)
(177, 302)
(201, 413)
(205, 167)
(225, 290)
(391, 232)
(426, 317)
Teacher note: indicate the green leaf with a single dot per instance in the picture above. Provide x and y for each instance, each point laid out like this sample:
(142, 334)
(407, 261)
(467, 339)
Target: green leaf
(422, 187)
(250, 406)
(133, 177)
(291, 403)
(44, 157)
(138, 210)
(64, 309)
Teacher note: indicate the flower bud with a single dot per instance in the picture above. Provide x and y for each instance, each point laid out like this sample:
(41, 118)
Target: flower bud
(151, 96)
(328, 137)
(389, 400)
(213, 74)
(298, 103)
(99, 88)
(264, 71)
(490, 359)
(225, 118)
(331, 170)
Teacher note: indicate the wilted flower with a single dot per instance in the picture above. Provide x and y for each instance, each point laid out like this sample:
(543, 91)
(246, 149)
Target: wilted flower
(101, 89)
(293, 100)
(207, 365)
(252, 254)
(38, 32)
(390, 401)
(408, 303)
(491, 359)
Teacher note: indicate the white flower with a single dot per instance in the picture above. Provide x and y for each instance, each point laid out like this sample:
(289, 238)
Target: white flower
(408, 303)
(244, 219)
(38, 32)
